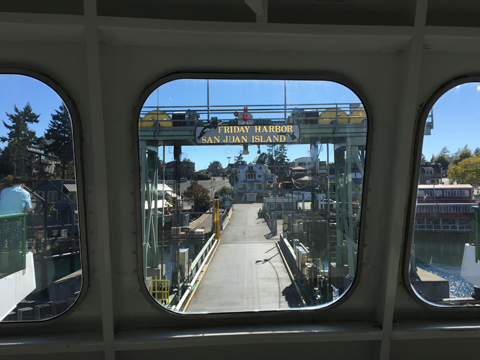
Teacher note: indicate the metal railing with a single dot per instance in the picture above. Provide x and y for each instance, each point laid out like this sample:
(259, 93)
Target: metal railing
(13, 243)
(161, 290)
(443, 227)
(201, 257)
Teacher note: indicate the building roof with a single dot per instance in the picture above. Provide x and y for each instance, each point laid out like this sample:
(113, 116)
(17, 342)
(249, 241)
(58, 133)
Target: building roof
(298, 168)
(159, 204)
(440, 187)
(70, 187)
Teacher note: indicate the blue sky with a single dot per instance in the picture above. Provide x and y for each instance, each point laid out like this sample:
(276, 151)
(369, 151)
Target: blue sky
(19, 90)
(456, 113)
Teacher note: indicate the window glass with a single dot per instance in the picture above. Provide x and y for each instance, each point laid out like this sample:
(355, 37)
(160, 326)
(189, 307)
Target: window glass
(248, 216)
(40, 271)
(443, 263)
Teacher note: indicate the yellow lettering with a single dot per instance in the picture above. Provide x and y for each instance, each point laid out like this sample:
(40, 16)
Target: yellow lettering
(227, 130)
(272, 128)
(219, 129)
(237, 139)
(258, 129)
(284, 128)
(244, 139)
(209, 140)
(275, 138)
(290, 128)
(217, 139)
(269, 139)
(265, 129)
(247, 129)
(204, 140)
(226, 139)
(235, 129)
(278, 128)
(282, 138)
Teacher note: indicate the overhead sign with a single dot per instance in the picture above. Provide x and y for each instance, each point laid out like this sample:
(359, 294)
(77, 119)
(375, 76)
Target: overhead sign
(247, 134)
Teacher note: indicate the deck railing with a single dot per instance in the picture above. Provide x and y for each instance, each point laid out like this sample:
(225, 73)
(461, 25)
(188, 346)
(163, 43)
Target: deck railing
(443, 227)
(13, 243)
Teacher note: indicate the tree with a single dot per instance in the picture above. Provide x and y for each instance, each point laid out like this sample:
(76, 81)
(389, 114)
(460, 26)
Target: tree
(262, 158)
(466, 171)
(233, 177)
(187, 160)
(19, 137)
(442, 158)
(280, 154)
(215, 165)
(224, 190)
(461, 155)
(477, 152)
(239, 160)
(59, 138)
(200, 196)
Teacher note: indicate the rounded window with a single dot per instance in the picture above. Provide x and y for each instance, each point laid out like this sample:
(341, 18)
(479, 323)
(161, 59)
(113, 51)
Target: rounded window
(251, 193)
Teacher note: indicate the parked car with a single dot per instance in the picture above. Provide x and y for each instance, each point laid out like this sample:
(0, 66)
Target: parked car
(183, 179)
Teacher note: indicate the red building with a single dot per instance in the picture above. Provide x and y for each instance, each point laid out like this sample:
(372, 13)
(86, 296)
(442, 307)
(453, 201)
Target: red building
(444, 207)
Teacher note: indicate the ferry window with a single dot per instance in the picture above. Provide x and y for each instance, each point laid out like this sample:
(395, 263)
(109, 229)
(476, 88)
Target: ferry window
(40, 270)
(249, 218)
(444, 268)
(429, 193)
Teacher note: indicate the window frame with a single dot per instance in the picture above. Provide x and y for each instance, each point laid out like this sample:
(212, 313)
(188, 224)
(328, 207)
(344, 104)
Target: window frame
(251, 76)
(421, 119)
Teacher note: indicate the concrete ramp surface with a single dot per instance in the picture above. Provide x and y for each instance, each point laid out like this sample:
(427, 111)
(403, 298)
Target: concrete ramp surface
(247, 271)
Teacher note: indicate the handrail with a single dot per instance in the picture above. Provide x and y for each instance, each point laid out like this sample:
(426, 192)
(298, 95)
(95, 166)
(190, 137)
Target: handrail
(13, 234)
(201, 255)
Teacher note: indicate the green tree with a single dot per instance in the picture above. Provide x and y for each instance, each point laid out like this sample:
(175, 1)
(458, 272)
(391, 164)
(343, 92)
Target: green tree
(466, 171)
(215, 165)
(477, 152)
(187, 160)
(224, 190)
(281, 154)
(442, 158)
(19, 137)
(200, 196)
(461, 155)
(233, 177)
(59, 138)
(262, 158)
(239, 160)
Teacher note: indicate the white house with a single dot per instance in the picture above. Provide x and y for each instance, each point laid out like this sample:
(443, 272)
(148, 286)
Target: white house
(253, 177)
